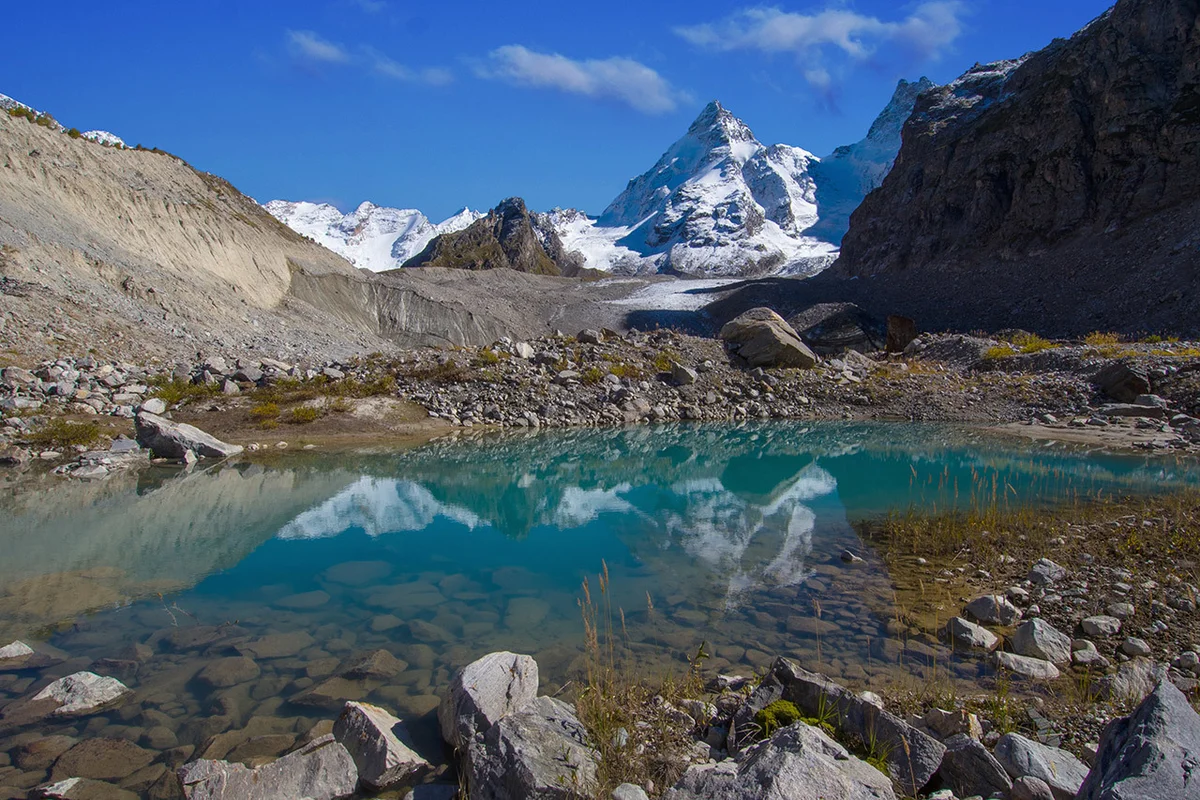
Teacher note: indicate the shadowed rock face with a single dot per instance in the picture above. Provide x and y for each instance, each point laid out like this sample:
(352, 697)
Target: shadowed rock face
(505, 239)
(1041, 169)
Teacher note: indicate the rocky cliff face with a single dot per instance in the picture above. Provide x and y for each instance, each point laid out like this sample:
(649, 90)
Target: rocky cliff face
(509, 237)
(1061, 188)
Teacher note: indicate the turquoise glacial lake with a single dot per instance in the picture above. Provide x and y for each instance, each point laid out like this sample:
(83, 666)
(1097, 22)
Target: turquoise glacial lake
(439, 554)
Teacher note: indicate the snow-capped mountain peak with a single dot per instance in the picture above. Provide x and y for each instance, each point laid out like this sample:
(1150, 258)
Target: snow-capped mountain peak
(371, 237)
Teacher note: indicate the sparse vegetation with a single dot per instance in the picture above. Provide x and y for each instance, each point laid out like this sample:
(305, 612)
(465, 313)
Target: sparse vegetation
(302, 415)
(60, 433)
(776, 715)
(179, 391)
(1000, 351)
(1099, 339)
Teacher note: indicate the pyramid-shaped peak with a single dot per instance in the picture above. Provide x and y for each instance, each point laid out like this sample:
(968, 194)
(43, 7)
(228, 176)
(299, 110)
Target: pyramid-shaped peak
(716, 124)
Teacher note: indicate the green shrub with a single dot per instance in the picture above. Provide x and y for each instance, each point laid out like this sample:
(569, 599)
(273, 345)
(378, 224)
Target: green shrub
(45, 120)
(264, 411)
(1097, 338)
(74, 133)
(591, 376)
(59, 433)
(1032, 343)
(776, 715)
(176, 391)
(302, 415)
(1001, 351)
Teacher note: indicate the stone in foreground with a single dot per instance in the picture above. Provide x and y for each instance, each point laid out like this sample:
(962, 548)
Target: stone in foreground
(764, 339)
(797, 763)
(321, 770)
(969, 769)
(484, 691)
(82, 789)
(1063, 772)
(379, 745)
(167, 439)
(540, 752)
(1152, 753)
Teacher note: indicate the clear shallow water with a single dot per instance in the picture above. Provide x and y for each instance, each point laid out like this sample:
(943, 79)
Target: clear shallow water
(729, 535)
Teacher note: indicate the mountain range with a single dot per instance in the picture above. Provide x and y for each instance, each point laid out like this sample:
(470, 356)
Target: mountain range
(717, 203)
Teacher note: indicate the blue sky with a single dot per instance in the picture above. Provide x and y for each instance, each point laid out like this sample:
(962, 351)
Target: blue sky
(440, 105)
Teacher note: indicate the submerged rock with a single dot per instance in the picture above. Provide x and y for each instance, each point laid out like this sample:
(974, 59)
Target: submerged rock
(483, 692)
(321, 770)
(1152, 753)
(798, 762)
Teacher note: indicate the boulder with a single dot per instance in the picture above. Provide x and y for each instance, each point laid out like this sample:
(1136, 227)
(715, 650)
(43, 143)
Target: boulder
(1122, 382)
(969, 769)
(82, 789)
(166, 439)
(764, 339)
(18, 656)
(380, 746)
(1036, 668)
(1101, 625)
(1132, 681)
(154, 405)
(484, 691)
(1063, 772)
(971, 636)
(830, 328)
(993, 609)
(540, 751)
(1039, 639)
(1031, 788)
(101, 759)
(798, 762)
(1046, 572)
(1152, 753)
(912, 756)
(629, 791)
(320, 770)
(681, 375)
(900, 332)
(82, 693)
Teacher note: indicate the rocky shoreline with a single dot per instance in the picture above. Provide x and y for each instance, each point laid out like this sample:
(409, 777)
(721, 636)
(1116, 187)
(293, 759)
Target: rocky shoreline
(1135, 396)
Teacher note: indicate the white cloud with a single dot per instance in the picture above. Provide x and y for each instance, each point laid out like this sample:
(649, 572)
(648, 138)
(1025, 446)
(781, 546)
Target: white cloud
(815, 37)
(621, 79)
(433, 76)
(308, 46)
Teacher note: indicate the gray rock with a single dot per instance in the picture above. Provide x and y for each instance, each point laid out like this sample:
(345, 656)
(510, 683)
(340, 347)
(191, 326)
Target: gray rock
(994, 609)
(1151, 754)
(1132, 410)
(1063, 772)
(912, 756)
(971, 636)
(485, 691)
(539, 751)
(166, 439)
(18, 656)
(588, 336)
(1132, 681)
(82, 789)
(629, 791)
(683, 376)
(1031, 788)
(320, 770)
(1135, 647)
(83, 693)
(1122, 382)
(969, 769)
(333, 373)
(764, 339)
(1036, 668)
(1101, 626)
(1085, 654)
(1121, 611)
(798, 762)
(1046, 572)
(1039, 639)
(380, 746)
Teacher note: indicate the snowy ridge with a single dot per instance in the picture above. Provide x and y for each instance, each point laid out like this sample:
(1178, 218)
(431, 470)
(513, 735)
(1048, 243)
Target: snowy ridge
(370, 237)
(100, 137)
(850, 172)
(105, 138)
